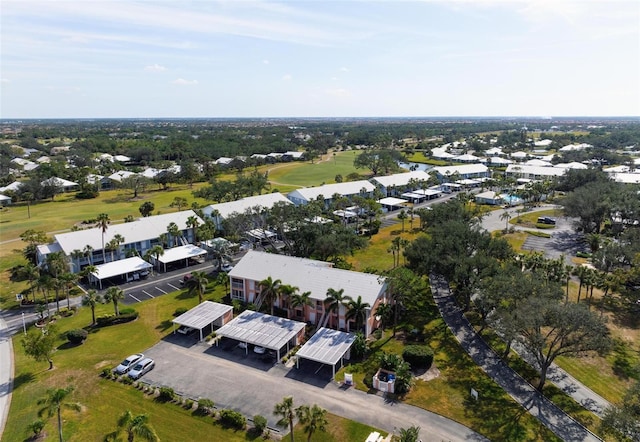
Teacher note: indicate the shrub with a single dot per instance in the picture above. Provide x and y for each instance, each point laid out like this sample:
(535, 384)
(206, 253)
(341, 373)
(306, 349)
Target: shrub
(166, 394)
(105, 320)
(188, 404)
(77, 336)
(36, 427)
(233, 419)
(106, 372)
(179, 311)
(126, 380)
(127, 311)
(259, 424)
(418, 355)
(205, 406)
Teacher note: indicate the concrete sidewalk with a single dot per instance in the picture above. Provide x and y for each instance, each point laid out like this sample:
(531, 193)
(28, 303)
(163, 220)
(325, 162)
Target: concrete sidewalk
(556, 420)
(6, 373)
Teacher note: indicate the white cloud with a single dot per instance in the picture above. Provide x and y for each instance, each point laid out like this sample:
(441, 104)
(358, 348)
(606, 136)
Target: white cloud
(339, 92)
(265, 61)
(155, 68)
(183, 82)
(287, 77)
(343, 69)
(4, 80)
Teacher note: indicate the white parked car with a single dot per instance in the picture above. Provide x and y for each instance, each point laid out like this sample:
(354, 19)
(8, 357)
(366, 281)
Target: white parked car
(129, 363)
(226, 267)
(141, 368)
(183, 329)
(259, 350)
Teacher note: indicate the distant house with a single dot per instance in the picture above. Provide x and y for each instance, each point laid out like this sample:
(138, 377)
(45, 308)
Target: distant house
(5, 200)
(327, 191)
(533, 172)
(65, 185)
(13, 187)
(308, 275)
(121, 175)
(490, 197)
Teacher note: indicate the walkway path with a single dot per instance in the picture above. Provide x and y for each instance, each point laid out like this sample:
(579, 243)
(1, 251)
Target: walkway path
(520, 390)
(6, 373)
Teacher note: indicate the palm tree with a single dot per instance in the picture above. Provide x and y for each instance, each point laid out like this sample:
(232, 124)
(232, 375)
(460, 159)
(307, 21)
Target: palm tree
(385, 311)
(137, 425)
(88, 270)
(156, 251)
(505, 216)
(301, 300)
(197, 284)
(68, 280)
(313, 418)
(269, 291)
(223, 278)
(402, 216)
(114, 294)
(88, 252)
(285, 292)
(76, 255)
(53, 403)
(91, 299)
(333, 301)
(286, 413)
(116, 241)
(32, 273)
(357, 310)
(44, 283)
(173, 231)
(103, 224)
(193, 223)
(56, 264)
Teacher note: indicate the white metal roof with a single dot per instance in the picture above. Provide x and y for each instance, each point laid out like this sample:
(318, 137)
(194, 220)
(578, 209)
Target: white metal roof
(203, 314)
(181, 252)
(120, 175)
(59, 182)
(309, 275)
(266, 201)
(140, 230)
(328, 190)
(327, 346)
(121, 267)
(260, 329)
(401, 179)
(391, 201)
(535, 170)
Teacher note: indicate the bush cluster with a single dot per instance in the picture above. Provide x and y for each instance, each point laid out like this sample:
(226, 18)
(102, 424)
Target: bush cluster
(179, 311)
(205, 406)
(418, 355)
(166, 394)
(106, 320)
(259, 424)
(77, 336)
(232, 419)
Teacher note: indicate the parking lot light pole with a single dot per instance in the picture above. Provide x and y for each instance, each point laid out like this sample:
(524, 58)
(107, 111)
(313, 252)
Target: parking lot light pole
(24, 325)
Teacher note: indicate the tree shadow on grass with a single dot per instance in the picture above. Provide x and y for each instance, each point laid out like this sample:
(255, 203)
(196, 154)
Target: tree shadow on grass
(68, 345)
(22, 379)
(164, 325)
(184, 294)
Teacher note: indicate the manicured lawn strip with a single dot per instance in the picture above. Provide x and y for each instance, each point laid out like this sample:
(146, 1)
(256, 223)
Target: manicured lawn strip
(339, 429)
(376, 255)
(306, 174)
(419, 157)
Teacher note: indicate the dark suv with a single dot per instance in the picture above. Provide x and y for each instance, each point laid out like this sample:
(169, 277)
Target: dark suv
(546, 220)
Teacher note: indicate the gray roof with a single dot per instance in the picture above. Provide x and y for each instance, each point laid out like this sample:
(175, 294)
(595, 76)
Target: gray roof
(266, 201)
(309, 275)
(263, 330)
(401, 179)
(328, 190)
(141, 230)
(202, 315)
(327, 346)
(121, 267)
(181, 252)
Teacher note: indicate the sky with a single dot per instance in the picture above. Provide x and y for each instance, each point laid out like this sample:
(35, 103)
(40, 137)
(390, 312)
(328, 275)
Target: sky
(318, 58)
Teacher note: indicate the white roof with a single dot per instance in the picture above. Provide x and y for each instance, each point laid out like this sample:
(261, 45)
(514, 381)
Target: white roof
(116, 268)
(181, 252)
(614, 169)
(120, 175)
(328, 190)
(535, 170)
(428, 192)
(59, 182)
(266, 201)
(572, 165)
(498, 160)
(519, 154)
(5, 198)
(309, 275)
(140, 230)
(489, 195)
(13, 186)
(326, 346)
(151, 172)
(493, 151)
(570, 147)
(391, 201)
(203, 314)
(93, 178)
(441, 154)
(461, 170)
(121, 158)
(45, 249)
(544, 142)
(466, 157)
(401, 179)
(626, 178)
(536, 162)
(259, 329)
(468, 182)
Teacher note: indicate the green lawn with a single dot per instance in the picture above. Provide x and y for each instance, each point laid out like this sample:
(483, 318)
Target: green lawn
(338, 430)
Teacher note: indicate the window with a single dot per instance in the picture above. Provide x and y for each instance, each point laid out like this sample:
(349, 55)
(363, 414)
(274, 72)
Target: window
(319, 305)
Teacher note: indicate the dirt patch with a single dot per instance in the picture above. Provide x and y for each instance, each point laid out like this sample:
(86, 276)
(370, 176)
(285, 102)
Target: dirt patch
(427, 375)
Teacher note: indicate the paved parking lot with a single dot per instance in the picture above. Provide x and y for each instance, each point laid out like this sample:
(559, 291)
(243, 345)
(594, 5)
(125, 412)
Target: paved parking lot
(252, 385)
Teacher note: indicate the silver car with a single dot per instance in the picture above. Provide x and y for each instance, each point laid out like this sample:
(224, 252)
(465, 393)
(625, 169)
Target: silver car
(141, 368)
(129, 363)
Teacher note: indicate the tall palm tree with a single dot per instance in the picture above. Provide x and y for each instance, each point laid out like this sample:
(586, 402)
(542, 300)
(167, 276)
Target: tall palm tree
(102, 222)
(286, 412)
(32, 273)
(56, 264)
(173, 231)
(156, 251)
(385, 311)
(68, 280)
(114, 295)
(313, 418)
(269, 291)
(357, 310)
(198, 284)
(91, 299)
(88, 252)
(284, 295)
(117, 240)
(223, 278)
(193, 223)
(506, 216)
(76, 255)
(88, 270)
(53, 403)
(137, 425)
(301, 300)
(333, 301)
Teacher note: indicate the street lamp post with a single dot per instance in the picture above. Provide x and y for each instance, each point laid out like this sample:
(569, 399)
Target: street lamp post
(24, 325)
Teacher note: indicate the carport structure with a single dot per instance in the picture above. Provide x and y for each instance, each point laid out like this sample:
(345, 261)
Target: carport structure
(259, 329)
(327, 346)
(133, 265)
(392, 203)
(181, 252)
(204, 315)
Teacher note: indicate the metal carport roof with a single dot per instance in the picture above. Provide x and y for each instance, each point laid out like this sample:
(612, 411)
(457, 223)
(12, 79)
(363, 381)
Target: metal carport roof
(181, 252)
(262, 330)
(121, 267)
(202, 315)
(327, 346)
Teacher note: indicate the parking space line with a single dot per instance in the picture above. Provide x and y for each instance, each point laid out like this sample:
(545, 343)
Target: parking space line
(159, 289)
(173, 286)
(134, 297)
(148, 294)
